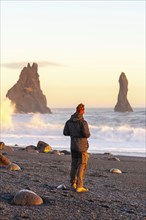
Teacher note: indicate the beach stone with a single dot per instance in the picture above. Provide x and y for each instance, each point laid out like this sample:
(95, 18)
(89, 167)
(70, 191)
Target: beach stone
(2, 145)
(8, 149)
(61, 153)
(108, 153)
(62, 186)
(65, 152)
(115, 170)
(43, 147)
(27, 197)
(13, 166)
(31, 148)
(56, 152)
(114, 158)
(4, 161)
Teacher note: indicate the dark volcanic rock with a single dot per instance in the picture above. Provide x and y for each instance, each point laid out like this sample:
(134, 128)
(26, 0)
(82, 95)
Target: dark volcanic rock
(2, 145)
(27, 94)
(4, 160)
(43, 147)
(122, 103)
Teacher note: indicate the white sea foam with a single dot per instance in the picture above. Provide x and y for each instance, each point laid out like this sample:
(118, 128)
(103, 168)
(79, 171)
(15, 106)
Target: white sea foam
(6, 111)
(115, 132)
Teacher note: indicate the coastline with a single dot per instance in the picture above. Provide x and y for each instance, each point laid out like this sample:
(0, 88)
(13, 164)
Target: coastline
(110, 196)
(99, 152)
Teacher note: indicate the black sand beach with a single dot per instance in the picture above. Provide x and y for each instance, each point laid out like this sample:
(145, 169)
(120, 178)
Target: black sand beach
(110, 196)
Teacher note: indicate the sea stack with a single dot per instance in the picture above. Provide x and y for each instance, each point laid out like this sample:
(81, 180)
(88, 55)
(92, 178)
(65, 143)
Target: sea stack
(26, 94)
(122, 102)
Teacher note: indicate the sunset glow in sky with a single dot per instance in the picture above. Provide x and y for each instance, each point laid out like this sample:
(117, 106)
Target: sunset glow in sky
(81, 48)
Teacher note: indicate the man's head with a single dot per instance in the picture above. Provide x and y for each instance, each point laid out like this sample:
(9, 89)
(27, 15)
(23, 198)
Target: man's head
(80, 108)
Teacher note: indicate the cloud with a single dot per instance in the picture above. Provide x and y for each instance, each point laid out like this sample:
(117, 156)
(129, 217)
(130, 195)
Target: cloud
(19, 65)
(48, 63)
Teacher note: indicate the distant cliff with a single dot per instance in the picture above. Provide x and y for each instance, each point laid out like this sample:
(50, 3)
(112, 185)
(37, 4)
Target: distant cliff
(122, 102)
(27, 94)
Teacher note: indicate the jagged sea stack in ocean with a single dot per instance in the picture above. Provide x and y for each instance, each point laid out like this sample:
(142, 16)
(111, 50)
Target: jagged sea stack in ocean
(122, 103)
(27, 94)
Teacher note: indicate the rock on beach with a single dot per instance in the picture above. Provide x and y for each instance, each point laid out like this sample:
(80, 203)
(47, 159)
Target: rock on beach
(4, 161)
(27, 197)
(13, 167)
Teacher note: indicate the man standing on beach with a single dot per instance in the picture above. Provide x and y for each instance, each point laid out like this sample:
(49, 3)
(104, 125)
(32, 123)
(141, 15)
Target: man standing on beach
(77, 128)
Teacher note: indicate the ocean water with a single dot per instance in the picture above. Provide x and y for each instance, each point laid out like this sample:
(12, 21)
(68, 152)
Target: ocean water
(118, 133)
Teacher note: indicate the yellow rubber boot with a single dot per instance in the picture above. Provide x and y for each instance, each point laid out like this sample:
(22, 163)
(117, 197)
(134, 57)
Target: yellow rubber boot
(81, 189)
(74, 185)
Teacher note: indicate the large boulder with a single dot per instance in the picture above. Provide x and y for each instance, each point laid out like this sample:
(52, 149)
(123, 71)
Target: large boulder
(31, 148)
(43, 147)
(4, 161)
(2, 145)
(27, 94)
(5, 148)
(13, 166)
(122, 103)
(27, 197)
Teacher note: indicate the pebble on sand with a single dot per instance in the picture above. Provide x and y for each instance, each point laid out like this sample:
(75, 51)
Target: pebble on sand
(115, 170)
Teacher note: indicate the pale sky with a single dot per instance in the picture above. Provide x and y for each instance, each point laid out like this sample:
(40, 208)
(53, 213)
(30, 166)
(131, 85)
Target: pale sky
(81, 48)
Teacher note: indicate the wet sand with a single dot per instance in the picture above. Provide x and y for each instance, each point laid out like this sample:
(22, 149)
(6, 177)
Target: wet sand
(110, 197)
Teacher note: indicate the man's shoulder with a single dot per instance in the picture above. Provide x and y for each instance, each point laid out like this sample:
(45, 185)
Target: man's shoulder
(84, 121)
(68, 121)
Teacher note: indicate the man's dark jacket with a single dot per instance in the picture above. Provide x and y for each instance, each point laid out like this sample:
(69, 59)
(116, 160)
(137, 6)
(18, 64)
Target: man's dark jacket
(77, 128)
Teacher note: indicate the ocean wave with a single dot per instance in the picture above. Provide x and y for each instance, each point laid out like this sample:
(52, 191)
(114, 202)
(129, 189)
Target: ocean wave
(109, 131)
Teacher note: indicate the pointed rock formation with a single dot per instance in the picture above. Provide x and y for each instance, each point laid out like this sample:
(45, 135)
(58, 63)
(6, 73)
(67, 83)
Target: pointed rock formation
(122, 103)
(27, 94)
